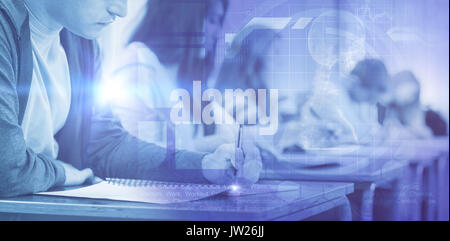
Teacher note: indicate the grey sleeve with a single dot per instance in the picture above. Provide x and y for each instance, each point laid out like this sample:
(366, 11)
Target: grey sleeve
(113, 152)
(21, 170)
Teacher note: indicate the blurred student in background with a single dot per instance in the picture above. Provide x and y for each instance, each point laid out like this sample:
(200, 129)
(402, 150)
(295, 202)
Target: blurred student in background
(368, 90)
(406, 118)
(351, 115)
(245, 67)
(174, 45)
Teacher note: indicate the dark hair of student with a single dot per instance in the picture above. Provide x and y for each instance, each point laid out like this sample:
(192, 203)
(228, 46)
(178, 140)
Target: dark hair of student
(372, 73)
(174, 30)
(247, 58)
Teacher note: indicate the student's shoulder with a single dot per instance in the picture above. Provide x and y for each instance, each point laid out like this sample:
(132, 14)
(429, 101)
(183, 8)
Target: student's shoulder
(12, 17)
(139, 53)
(135, 62)
(8, 37)
(6, 27)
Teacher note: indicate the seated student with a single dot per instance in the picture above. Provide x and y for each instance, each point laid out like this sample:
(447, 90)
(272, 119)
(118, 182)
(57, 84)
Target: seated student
(174, 45)
(245, 67)
(351, 113)
(369, 91)
(48, 124)
(405, 116)
(247, 61)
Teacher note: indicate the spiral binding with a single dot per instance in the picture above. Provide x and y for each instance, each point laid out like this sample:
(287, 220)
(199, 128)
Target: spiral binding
(150, 183)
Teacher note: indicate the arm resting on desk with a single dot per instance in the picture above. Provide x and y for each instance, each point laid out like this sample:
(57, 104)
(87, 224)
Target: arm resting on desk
(21, 170)
(112, 152)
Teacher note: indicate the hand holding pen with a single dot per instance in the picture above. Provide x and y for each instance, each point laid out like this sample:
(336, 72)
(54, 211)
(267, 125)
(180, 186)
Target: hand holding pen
(239, 159)
(236, 164)
(247, 161)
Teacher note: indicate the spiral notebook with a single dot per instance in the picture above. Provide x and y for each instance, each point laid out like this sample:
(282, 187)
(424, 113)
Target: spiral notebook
(162, 192)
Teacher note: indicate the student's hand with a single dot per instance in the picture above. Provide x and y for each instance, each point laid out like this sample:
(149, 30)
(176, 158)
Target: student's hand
(224, 167)
(75, 177)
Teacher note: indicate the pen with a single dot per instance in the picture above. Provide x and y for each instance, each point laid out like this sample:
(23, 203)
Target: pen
(239, 162)
(235, 187)
(238, 142)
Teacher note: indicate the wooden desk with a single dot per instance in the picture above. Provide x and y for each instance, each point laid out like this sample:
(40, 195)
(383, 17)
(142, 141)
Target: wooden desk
(428, 171)
(312, 198)
(387, 164)
(377, 171)
(366, 179)
(421, 187)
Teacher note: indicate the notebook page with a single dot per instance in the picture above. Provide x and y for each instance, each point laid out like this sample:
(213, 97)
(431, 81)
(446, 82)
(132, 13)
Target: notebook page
(161, 194)
(164, 192)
